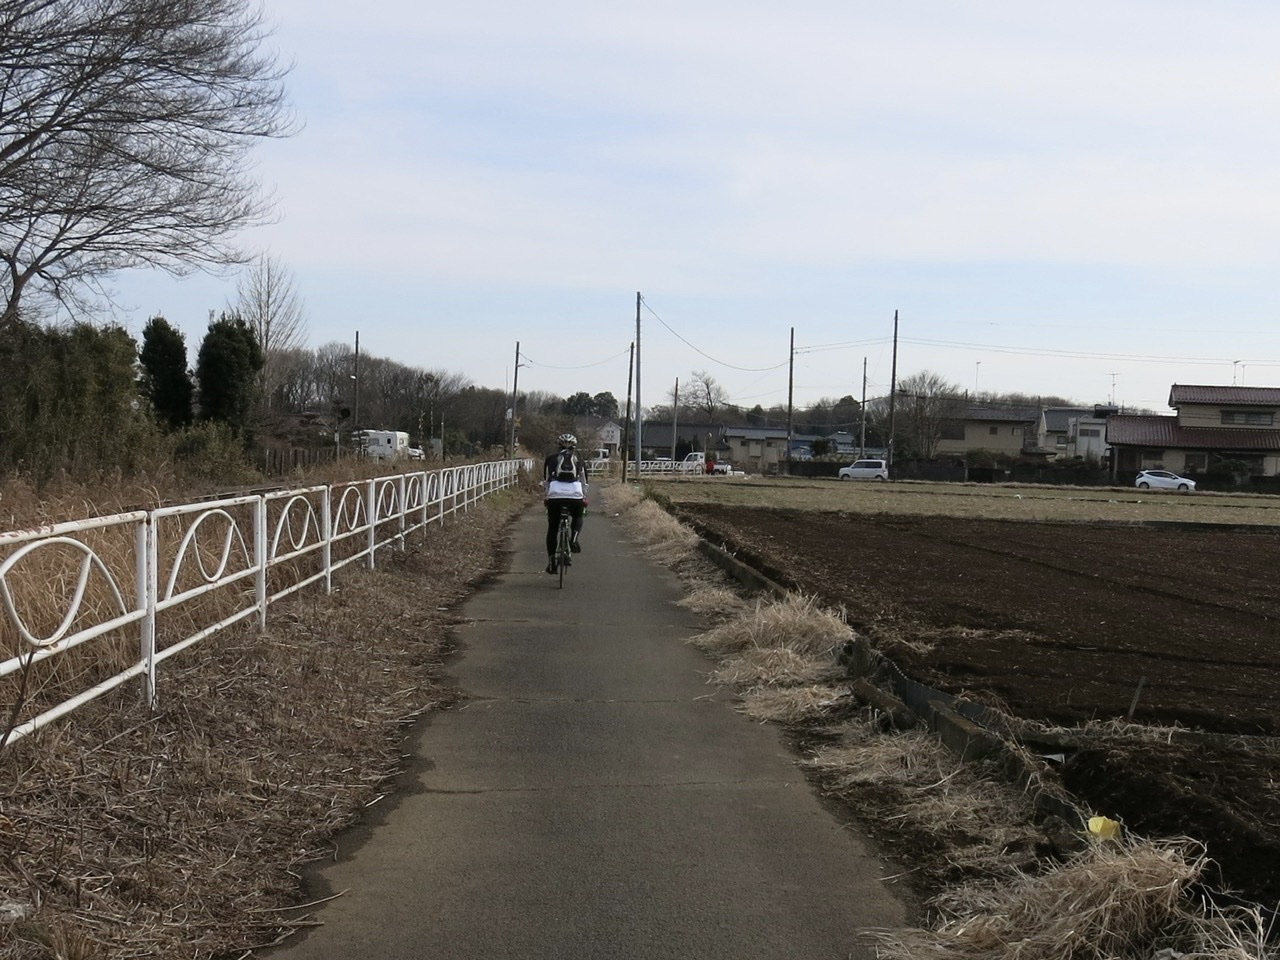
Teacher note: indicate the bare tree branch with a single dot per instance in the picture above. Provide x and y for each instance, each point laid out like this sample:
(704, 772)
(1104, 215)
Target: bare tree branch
(124, 130)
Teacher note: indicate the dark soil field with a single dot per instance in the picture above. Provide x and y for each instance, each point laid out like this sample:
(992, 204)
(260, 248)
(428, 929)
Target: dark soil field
(1065, 623)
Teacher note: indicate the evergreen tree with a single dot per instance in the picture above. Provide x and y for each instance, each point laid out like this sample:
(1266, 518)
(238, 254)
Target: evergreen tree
(226, 371)
(165, 381)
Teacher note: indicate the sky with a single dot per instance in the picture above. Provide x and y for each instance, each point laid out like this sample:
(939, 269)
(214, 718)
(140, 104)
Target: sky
(1077, 200)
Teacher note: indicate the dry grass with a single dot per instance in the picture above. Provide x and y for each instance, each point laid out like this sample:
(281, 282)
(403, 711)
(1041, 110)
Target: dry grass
(792, 705)
(799, 624)
(1124, 900)
(715, 601)
(663, 537)
(179, 834)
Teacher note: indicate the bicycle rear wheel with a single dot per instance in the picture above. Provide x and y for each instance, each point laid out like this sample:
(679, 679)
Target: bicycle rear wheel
(562, 551)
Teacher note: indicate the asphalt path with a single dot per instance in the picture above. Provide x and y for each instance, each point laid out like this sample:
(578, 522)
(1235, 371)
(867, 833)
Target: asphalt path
(594, 797)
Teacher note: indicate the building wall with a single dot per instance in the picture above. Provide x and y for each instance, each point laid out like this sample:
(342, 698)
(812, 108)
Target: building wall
(1002, 437)
(757, 456)
(1224, 415)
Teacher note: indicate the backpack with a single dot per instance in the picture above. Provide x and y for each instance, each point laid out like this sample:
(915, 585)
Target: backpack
(566, 466)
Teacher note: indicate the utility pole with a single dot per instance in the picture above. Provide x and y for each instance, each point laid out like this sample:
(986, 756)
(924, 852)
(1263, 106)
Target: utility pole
(639, 409)
(862, 438)
(893, 391)
(356, 376)
(791, 380)
(675, 414)
(515, 379)
(626, 423)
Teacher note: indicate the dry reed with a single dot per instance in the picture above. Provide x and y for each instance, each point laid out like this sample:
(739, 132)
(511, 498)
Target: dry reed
(791, 704)
(1118, 900)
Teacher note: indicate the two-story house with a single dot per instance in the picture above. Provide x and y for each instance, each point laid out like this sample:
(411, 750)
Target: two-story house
(1053, 433)
(998, 429)
(1210, 425)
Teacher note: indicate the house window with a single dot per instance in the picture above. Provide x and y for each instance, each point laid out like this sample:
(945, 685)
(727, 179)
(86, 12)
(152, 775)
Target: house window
(1090, 432)
(994, 430)
(1195, 462)
(952, 430)
(1248, 418)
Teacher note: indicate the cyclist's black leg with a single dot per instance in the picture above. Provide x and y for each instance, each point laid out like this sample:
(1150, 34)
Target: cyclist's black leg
(577, 509)
(553, 523)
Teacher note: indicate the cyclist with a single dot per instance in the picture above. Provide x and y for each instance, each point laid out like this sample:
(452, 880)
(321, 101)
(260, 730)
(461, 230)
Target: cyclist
(565, 476)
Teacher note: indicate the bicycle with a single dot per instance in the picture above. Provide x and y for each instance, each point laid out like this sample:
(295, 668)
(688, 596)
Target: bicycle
(564, 539)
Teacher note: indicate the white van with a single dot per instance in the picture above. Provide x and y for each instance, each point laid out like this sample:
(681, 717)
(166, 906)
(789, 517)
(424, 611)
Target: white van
(865, 470)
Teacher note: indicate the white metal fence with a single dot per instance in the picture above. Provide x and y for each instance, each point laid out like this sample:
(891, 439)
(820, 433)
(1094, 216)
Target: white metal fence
(156, 575)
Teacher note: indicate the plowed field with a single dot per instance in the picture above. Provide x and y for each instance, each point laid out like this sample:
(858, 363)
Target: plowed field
(1070, 622)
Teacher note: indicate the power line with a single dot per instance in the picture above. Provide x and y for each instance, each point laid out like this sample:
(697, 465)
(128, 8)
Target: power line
(1065, 354)
(585, 366)
(704, 353)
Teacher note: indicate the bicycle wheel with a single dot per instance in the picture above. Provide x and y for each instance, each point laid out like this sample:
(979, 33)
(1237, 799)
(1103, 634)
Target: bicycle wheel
(562, 550)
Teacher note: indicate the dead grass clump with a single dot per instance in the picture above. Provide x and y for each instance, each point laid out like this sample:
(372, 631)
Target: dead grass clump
(664, 537)
(714, 601)
(791, 704)
(778, 667)
(620, 497)
(866, 756)
(1118, 899)
(796, 623)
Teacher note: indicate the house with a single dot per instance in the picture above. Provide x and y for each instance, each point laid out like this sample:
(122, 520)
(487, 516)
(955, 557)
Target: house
(764, 449)
(659, 438)
(598, 433)
(843, 444)
(1087, 435)
(995, 428)
(1210, 425)
(1054, 428)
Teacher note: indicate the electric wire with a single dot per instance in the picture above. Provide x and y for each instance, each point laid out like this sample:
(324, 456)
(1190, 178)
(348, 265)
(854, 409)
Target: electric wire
(584, 366)
(722, 363)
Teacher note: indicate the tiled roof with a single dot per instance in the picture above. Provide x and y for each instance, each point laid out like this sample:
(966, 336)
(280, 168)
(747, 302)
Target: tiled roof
(1181, 393)
(1148, 431)
(1056, 418)
(983, 413)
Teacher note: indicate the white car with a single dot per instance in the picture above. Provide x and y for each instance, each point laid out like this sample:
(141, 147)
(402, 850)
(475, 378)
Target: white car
(865, 470)
(1162, 480)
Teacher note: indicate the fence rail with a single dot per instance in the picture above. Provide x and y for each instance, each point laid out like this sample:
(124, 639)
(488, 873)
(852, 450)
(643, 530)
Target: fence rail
(198, 568)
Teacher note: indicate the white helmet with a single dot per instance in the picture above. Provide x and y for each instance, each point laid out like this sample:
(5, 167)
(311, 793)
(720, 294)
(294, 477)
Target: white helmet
(567, 440)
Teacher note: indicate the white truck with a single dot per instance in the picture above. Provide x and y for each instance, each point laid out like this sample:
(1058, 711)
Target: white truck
(697, 463)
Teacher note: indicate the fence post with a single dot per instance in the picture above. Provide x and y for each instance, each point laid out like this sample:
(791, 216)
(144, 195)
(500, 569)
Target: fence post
(146, 562)
(260, 558)
(326, 532)
(402, 483)
(371, 517)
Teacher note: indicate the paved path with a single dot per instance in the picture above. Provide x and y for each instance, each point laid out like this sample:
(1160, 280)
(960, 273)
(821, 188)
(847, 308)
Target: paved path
(595, 797)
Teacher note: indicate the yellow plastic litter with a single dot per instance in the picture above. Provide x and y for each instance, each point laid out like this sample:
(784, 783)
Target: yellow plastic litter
(1104, 827)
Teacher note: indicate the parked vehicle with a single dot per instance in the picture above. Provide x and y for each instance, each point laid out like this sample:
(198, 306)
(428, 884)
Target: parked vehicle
(382, 444)
(865, 470)
(1162, 480)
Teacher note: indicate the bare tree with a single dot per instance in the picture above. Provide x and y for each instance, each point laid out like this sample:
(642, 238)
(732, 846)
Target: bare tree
(926, 402)
(268, 302)
(705, 395)
(124, 126)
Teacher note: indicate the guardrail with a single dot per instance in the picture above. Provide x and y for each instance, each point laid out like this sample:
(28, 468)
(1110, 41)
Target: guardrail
(165, 573)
